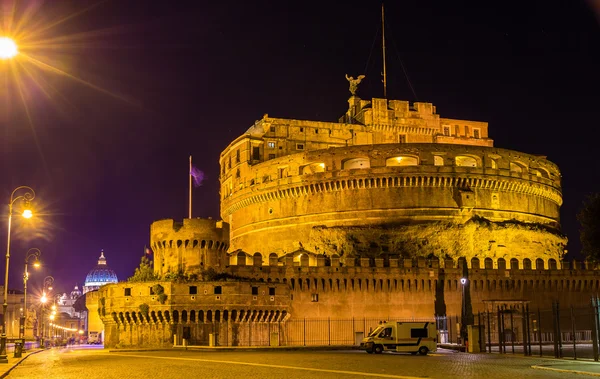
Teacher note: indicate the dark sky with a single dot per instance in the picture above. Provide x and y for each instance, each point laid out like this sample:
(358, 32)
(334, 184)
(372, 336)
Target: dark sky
(188, 77)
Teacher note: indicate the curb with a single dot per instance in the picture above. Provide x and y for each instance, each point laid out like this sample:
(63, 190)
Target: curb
(19, 362)
(566, 371)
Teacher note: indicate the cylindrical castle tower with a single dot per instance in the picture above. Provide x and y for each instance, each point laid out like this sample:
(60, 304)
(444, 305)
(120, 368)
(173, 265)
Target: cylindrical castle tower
(397, 181)
(190, 246)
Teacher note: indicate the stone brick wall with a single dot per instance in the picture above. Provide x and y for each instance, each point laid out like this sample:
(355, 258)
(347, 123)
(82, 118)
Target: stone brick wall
(188, 246)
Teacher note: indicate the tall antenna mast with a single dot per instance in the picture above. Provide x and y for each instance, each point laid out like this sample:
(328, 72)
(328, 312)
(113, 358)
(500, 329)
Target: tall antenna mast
(383, 45)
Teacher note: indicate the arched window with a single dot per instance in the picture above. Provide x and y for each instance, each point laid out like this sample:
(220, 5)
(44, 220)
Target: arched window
(515, 167)
(438, 160)
(527, 264)
(402, 161)
(514, 264)
(475, 263)
(356, 163)
(313, 168)
(552, 264)
(465, 161)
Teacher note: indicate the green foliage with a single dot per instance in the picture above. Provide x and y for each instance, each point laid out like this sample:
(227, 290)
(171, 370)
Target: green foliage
(160, 291)
(180, 277)
(210, 275)
(145, 309)
(143, 273)
(589, 233)
(162, 298)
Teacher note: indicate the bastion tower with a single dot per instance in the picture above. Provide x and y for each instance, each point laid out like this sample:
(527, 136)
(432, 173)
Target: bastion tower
(390, 179)
(189, 246)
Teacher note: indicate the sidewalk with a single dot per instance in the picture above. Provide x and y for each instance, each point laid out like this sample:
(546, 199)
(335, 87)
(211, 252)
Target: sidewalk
(5, 368)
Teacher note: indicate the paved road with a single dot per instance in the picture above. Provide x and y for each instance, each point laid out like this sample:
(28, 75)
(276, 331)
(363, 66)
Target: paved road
(94, 363)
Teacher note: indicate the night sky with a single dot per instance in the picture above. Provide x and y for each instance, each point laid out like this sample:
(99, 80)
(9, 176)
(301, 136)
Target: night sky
(170, 79)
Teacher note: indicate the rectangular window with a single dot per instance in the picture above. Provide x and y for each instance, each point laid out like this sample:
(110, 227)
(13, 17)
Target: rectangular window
(193, 290)
(476, 133)
(301, 130)
(237, 156)
(255, 153)
(299, 146)
(151, 291)
(218, 290)
(271, 291)
(255, 290)
(127, 291)
(316, 131)
(271, 156)
(446, 130)
(418, 333)
(402, 138)
(466, 131)
(272, 129)
(315, 297)
(271, 145)
(456, 130)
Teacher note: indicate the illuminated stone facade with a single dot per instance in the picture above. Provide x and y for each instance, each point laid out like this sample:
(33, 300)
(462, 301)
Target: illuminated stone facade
(373, 217)
(390, 180)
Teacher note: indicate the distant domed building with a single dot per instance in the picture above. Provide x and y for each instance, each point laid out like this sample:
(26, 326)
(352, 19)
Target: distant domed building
(99, 275)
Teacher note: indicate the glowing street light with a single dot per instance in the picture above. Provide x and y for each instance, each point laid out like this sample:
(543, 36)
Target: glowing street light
(8, 48)
(30, 254)
(27, 196)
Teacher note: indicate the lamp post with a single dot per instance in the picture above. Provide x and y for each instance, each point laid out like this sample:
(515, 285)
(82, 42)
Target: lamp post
(48, 282)
(30, 253)
(27, 196)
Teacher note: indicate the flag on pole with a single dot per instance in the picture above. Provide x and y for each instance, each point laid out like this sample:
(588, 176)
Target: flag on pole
(197, 176)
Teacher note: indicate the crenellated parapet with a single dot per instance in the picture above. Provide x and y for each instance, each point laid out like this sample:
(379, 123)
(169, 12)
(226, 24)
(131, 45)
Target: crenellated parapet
(189, 246)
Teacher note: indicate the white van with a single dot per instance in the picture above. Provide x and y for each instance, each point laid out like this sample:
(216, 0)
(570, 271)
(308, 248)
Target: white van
(408, 337)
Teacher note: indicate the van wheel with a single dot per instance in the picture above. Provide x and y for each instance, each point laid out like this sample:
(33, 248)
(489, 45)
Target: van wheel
(378, 349)
(423, 350)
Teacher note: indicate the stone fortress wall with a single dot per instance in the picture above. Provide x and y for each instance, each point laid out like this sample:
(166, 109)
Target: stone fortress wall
(191, 245)
(376, 216)
(324, 201)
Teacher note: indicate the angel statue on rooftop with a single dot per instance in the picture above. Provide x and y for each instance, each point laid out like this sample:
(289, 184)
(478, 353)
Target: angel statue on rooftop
(354, 83)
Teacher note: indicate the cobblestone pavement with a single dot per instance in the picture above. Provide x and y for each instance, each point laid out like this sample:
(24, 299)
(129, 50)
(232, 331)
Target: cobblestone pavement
(90, 364)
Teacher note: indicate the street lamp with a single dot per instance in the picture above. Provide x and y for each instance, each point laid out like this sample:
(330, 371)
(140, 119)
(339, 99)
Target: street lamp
(27, 196)
(48, 282)
(8, 48)
(30, 253)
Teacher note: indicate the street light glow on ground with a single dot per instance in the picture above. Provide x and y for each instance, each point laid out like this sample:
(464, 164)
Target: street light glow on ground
(8, 48)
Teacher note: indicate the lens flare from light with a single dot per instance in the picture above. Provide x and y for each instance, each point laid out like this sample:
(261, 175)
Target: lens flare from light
(27, 213)
(8, 48)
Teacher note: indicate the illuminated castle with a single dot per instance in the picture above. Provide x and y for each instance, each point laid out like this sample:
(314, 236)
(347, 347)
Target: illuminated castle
(377, 216)
(390, 180)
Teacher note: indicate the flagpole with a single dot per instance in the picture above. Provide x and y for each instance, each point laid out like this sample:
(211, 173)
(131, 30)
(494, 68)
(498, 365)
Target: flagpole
(190, 193)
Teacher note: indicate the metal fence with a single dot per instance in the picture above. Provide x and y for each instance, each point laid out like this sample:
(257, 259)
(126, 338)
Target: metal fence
(562, 332)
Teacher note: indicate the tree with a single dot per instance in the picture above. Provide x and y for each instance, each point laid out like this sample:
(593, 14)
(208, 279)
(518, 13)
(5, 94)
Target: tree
(144, 273)
(589, 233)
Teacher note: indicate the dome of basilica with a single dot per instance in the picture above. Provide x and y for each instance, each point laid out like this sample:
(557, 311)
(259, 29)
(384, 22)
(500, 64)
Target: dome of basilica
(99, 275)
